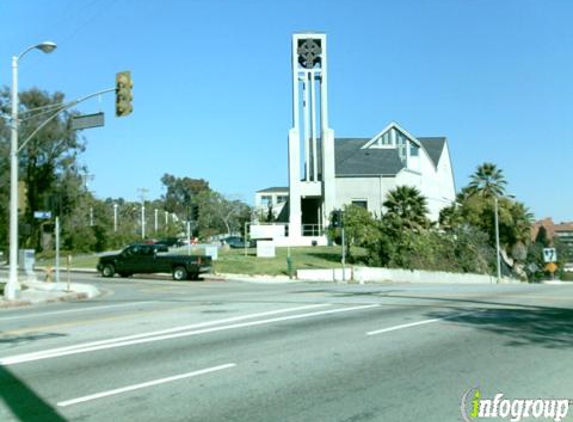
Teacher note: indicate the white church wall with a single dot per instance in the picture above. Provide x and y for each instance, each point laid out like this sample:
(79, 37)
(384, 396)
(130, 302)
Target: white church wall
(350, 189)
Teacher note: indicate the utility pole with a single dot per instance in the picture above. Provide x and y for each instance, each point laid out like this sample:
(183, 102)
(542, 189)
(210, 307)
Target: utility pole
(57, 228)
(156, 214)
(497, 248)
(142, 193)
(87, 178)
(343, 254)
(115, 217)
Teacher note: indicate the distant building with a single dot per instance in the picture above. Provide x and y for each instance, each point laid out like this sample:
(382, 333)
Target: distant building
(564, 231)
(327, 173)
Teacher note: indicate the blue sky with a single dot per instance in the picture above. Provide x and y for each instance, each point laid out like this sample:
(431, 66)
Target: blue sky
(212, 84)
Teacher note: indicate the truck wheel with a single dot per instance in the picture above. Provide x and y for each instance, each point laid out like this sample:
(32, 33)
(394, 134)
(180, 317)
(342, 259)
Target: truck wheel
(179, 273)
(193, 276)
(108, 271)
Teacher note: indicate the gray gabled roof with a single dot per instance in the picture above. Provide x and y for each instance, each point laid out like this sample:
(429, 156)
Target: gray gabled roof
(352, 160)
(434, 147)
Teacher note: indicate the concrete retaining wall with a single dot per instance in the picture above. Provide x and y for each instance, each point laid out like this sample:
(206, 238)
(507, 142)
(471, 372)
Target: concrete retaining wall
(331, 274)
(373, 275)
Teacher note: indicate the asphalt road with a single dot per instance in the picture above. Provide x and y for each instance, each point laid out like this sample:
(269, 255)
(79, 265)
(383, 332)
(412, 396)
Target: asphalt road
(156, 350)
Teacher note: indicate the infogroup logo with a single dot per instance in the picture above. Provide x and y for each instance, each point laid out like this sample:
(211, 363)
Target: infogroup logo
(475, 408)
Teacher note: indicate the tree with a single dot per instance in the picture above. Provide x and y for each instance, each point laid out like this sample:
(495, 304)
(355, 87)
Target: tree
(181, 193)
(360, 228)
(218, 214)
(45, 158)
(488, 181)
(450, 218)
(542, 237)
(407, 208)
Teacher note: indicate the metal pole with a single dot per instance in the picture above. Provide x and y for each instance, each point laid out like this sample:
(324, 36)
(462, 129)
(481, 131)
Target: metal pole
(498, 255)
(142, 192)
(115, 217)
(69, 261)
(245, 238)
(12, 286)
(156, 211)
(188, 238)
(143, 220)
(57, 249)
(91, 216)
(343, 256)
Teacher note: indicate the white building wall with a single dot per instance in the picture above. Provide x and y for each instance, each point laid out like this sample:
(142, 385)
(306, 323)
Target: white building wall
(277, 205)
(446, 184)
(427, 179)
(373, 189)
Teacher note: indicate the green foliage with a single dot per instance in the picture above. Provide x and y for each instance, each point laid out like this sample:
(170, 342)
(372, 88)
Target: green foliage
(48, 158)
(542, 237)
(404, 237)
(488, 181)
(360, 229)
(181, 193)
(479, 211)
(407, 208)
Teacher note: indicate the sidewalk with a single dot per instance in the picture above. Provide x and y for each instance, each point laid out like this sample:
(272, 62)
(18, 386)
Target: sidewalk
(34, 291)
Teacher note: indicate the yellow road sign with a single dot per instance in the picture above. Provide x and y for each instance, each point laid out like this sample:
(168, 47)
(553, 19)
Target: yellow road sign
(551, 267)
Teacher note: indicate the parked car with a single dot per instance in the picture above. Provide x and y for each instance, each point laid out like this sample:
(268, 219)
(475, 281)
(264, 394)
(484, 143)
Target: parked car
(163, 245)
(238, 242)
(144, 258)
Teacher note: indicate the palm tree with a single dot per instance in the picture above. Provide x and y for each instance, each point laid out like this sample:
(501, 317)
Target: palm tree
(408, 206)
(487, 181)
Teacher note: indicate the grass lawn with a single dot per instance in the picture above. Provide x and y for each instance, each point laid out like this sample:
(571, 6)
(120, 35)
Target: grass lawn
(234, 261)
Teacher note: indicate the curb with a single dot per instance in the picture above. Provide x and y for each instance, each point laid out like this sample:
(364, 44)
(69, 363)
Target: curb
(42, 292)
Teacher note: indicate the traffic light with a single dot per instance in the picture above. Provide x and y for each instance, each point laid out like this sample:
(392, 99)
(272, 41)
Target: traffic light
(337, 219)
(194, 212)
(123, 96)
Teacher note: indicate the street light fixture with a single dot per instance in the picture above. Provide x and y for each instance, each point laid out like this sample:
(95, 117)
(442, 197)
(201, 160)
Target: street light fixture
(12, 286)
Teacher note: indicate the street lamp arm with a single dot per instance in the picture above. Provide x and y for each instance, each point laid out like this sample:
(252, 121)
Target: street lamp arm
(23, 53)
(63, 108)
(46, 47)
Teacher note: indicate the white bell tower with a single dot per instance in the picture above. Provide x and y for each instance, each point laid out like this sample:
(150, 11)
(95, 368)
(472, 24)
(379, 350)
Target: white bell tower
(311, 141)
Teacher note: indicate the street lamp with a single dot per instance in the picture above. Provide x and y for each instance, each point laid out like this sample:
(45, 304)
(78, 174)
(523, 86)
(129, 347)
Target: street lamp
(497, 248)
(12, 286)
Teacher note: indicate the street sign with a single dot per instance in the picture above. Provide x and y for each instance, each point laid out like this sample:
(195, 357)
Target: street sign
(86, 121)
(42, 215)
(549, 255)
(551, 267)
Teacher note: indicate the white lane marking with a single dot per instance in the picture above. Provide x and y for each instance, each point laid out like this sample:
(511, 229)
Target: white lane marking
(143, 385)
(414, 324)
(68, 311)
(166, 331)
(12, 360)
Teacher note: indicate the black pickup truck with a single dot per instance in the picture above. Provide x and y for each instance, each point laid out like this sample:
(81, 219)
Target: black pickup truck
(144, 258)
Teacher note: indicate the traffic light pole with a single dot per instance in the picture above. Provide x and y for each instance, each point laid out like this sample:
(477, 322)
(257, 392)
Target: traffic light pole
(62, 108)
(13, 284)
